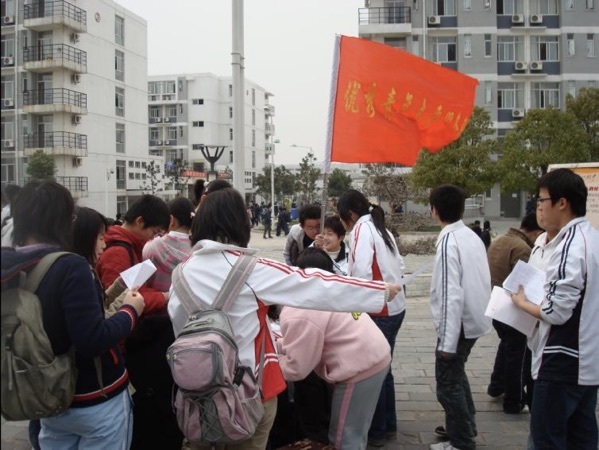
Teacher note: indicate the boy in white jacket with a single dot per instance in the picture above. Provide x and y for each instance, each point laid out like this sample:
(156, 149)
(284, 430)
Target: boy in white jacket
(460, 291)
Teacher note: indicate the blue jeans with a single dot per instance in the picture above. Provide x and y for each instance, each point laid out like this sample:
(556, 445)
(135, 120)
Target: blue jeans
(385, 418)
(99, 427)
(563, 416)
(453, 392)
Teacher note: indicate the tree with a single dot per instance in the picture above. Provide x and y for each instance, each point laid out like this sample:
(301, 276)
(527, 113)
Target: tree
(174, 173)
(384, 183)
(339, 182)
(307, 177)
(153, 181)
(466, 162)
(585, 107)
(41, 166)
(543, 137)
(284, 182)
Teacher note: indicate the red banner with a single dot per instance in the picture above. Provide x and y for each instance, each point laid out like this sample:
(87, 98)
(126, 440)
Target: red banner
(389, 104)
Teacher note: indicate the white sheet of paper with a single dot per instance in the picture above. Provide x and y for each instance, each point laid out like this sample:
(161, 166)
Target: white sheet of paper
(532, 278)
(138, 274)
(502, 308)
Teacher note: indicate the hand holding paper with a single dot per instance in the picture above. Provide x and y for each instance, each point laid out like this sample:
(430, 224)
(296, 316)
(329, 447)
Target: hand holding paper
(137, 275)
(502, 308)
(532, 278)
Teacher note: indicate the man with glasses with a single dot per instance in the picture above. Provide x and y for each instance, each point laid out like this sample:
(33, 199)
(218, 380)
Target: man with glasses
(303, 234)
(565, 360)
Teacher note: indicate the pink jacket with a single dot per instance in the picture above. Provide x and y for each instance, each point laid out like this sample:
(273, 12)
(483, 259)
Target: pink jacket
(166, 253)
(339, 347)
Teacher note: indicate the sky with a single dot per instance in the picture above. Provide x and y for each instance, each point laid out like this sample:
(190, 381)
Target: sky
(288, 49)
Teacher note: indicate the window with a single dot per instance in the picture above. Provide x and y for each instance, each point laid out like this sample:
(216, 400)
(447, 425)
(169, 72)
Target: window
(467, 46)
(120, 138)
(467, 5)
(197, 123)
(171, 111)
(137, 164)
(119, 65)
(231, 157)
(444, 49)
(253, 159)
(230, 90)
(119, 30)
(570, 5)
(415, 45)
(590, 4)
(545, 95)
(138, 176)
(230, 134)
(143, 165)
(181, 132)
(571, 45)
(509, 7)
(197, 101)
(230, 112)
(572, 88)
(444, 8)
(121, 173)
(253, 117)
(510, 95)
(488, 92)
(154, 87)
(488, 45)
(181, 108)
(510, 48)
(131, 164)
(396, 42)
(154, 134)
(119, 101)
(154, 111)
(7, 46)
(550, 7)
(171, 132)
(590, 45)
(545, 48)
(253, 97)
(487, 4)
(253, 138)
(169, 87)
(131, 174)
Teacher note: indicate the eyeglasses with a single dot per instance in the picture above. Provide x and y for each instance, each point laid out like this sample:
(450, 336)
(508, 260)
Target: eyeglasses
(540, 200)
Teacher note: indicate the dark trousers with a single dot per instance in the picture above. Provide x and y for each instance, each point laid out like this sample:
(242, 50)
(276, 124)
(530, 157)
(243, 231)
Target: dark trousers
(563, 416)
(510, 363)
(453, 392)
(385, 418)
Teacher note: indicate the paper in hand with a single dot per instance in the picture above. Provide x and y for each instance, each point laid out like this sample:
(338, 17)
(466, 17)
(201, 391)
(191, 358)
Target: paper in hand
(532, 278)
(502, 309)
(138, 274)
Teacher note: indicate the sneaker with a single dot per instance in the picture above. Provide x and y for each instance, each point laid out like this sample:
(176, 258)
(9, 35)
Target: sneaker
(441, 431)
(494, 391)
(391, 435)
(373, 442)
(443, 446)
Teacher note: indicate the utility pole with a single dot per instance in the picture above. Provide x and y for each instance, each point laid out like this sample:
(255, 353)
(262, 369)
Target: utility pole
(238, 99)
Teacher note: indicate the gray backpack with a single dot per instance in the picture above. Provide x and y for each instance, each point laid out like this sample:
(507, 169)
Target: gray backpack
(35, 382)
(218, 399)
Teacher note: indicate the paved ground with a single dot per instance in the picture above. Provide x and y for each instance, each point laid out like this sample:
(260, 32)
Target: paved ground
(413, 365)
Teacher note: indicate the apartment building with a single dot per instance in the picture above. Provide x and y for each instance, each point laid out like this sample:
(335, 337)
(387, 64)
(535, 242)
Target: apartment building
(526, 54)
(74, 85)
(190, 119)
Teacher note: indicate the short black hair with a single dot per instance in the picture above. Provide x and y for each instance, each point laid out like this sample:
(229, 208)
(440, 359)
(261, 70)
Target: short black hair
(198, 191)
(151, 209)
(9, 193)
(222, 217)
(182, 210)
(43, 210)
(529, 222)
(334, 223)
(564, 183)
(314, 257)
(487, 225)
(449, 201)
(88, 224)
(216, 185)
(309, 212)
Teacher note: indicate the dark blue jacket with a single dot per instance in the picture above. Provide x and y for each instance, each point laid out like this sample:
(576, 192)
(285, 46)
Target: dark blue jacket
(73, 316)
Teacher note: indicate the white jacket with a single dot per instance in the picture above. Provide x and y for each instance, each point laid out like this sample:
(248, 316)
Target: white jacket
(568, 349)
(270, 282)
(371, 259)
(460, 286)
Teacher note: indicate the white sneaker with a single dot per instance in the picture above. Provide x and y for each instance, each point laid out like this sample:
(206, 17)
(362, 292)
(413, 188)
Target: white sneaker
(443, 446)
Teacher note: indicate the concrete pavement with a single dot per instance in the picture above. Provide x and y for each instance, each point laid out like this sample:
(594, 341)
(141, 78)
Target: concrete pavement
(413, 366)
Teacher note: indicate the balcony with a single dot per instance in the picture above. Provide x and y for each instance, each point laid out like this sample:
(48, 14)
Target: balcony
(390, 20)
(77, 185)
(269, 110)
(45, 58)
(48, 15)
(56, 143)
(269, 148)
(269, 128)
(44, 101)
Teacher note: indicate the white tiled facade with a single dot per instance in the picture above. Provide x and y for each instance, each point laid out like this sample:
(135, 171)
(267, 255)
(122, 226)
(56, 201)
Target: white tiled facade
(188, 112)
(525, 53)
(80, 95)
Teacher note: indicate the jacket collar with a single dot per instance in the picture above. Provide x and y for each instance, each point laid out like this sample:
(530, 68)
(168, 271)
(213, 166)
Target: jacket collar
(450, 228)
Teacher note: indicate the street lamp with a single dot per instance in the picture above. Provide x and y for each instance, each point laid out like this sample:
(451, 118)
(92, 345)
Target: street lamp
(272, 179)
(212, 153)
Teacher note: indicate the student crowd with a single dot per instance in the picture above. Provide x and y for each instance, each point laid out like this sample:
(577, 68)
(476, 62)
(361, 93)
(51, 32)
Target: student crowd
(334, 297)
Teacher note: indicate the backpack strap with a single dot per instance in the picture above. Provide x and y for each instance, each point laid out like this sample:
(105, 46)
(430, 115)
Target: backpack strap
(126, 246)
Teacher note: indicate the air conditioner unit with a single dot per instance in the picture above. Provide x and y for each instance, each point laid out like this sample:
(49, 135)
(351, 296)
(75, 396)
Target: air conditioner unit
(517, 113)
(157, 119)
(434, 20)
(536, 18)
(158, 142)
(76, 78)
(536, 65)
(8, 61)
(77, 161)
(9, 143)
(8, 20)
(74, 38)
(76, 119)
(167, 119)
(9, 102)
(517, 18)
(520, 65)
